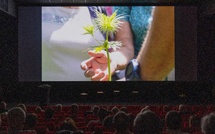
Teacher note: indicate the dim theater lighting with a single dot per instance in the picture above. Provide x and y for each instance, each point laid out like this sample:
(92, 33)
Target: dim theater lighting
(135, 92)
(84, 94)
(100, 92)
(116, 91)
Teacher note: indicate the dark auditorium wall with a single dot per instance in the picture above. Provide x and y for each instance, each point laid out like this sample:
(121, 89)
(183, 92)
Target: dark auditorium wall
(8, 53)
(186, 43)
(206, 41)
(8, 47)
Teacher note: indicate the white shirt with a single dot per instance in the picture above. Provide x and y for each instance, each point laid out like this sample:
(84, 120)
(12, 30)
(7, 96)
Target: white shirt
(63, 43)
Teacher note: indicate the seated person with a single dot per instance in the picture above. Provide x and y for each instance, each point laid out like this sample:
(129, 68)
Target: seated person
(16, 119)
(173, 122)
(74, 111)
(147, 122)
(49, 114)
(68, 127)
(3, 107)
(208, 124)
(31, 122)
(194, 124)
(121, 123)
(101, 116)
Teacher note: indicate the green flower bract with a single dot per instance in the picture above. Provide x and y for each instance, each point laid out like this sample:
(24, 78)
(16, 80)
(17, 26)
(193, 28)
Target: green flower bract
(89, 29)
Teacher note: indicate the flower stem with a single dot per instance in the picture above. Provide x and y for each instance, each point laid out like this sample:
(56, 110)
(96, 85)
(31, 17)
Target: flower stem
(108, 56)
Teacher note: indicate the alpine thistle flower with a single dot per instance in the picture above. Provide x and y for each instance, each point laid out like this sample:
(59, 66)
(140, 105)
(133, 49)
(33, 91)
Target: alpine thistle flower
(107, 25)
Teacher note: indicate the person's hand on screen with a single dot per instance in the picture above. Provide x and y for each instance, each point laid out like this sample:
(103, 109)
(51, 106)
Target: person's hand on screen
(96, 67)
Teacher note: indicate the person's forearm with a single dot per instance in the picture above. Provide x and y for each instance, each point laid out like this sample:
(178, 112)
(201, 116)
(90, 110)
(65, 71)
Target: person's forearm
(126, 52)
(157, 55)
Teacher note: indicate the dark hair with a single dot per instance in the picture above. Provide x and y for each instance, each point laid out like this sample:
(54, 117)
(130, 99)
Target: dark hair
(22, 106)
(114, 110)
(38, 109)
(108, 122)
(194, 121)
(74, 108)
(16, 117)
(102, 113)
(166, 108)
(121, 121)
(182, 108)
(124, 109)
(49, 112)
(208, 124)
(31, 120)
(58, 107)
(95, 110)
(68, 124)
(145, 108)
(173, 120)
(147, 122)
(3, 107)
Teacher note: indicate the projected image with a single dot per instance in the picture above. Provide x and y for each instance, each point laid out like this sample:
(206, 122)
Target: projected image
(95, 43)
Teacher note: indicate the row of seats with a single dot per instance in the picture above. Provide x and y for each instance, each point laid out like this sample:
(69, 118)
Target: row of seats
(84, 117)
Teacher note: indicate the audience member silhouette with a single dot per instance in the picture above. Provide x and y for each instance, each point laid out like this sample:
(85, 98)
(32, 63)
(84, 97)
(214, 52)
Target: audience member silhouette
(108, 121)
(166, 108)
(147, 122)
(16, 119)
(58, 107)
(124, 109)
(23, 106)
(2, 131)
(39, 110)
(74, 111)
(31, 121)
(3, 107)
(173, 122)
(194, 124)
(49, 114)
(144, 109)
(114, 110)
(183, 110)
(95, 110)
(101, 116)
(68, 127)
(208, 123)
(121, 123)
